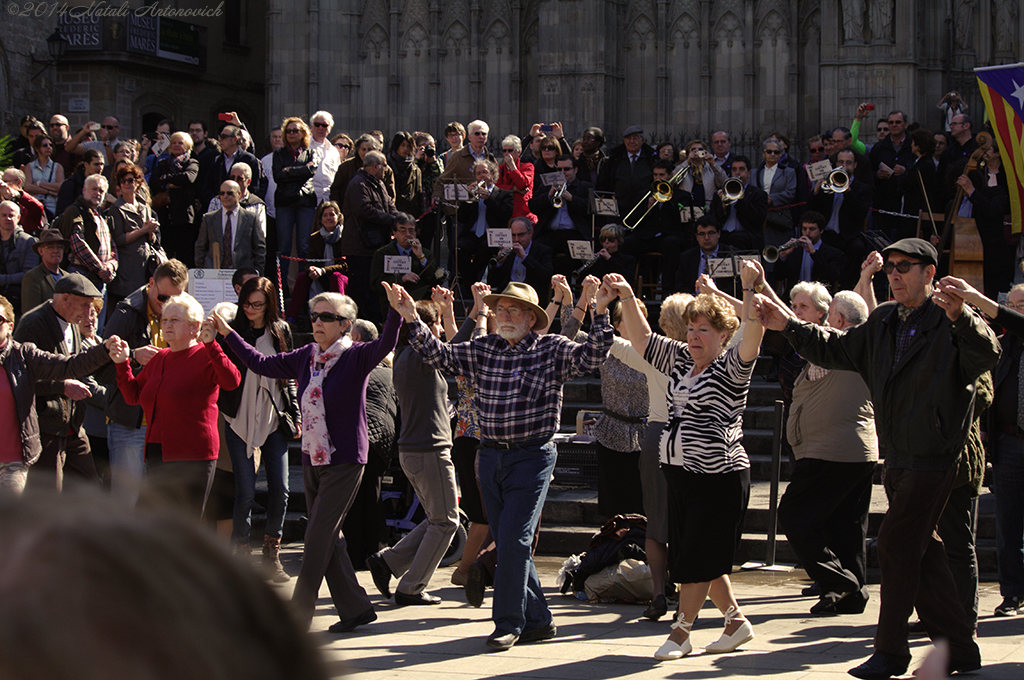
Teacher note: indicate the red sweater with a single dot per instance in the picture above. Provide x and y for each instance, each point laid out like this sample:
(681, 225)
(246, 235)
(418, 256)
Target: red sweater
(178, 392)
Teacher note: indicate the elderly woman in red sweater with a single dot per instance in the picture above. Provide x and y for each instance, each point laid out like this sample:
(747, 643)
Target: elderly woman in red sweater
(178, 391)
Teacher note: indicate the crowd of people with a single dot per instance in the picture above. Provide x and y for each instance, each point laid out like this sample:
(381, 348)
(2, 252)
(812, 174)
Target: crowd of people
(371, 249)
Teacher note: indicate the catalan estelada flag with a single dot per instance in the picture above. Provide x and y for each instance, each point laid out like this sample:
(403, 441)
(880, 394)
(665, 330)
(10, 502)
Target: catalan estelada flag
(1002, 88)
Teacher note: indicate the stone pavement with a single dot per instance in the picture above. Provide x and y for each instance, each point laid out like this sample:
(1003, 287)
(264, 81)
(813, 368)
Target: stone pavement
(599, 642)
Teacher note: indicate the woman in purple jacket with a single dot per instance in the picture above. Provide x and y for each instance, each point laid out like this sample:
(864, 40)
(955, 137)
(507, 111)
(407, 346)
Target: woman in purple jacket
(332, 370)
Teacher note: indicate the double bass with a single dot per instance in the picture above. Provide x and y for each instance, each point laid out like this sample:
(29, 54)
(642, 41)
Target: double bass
(966, 258)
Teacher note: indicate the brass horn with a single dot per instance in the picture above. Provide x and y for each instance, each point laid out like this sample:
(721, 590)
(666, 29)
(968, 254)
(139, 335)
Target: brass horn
(771, 253)
(732, 191)
(838, 182)
(661, 190)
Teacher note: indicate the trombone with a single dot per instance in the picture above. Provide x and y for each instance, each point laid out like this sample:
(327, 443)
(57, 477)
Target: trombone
(661, 191)
(838, 182)
(732, 191)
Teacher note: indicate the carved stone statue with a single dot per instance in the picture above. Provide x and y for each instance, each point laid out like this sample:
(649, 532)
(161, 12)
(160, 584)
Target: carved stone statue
(1006, 12)
(880, 18)
(963, 21)
(853, 20)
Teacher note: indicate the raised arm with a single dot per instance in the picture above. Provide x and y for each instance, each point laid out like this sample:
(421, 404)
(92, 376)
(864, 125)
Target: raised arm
(637, 328)
(750, 345)
(871, 265)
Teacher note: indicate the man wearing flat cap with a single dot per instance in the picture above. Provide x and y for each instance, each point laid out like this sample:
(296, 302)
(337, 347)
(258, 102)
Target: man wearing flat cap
(518, 377)
(53, 327)
(628, 171)
(920, 357)
(38, 284)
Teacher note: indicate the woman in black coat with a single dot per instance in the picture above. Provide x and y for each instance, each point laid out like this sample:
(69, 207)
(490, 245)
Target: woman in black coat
(295, 198)
(173, 188)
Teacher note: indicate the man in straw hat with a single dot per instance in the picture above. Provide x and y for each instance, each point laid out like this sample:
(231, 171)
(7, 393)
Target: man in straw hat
(518, 376)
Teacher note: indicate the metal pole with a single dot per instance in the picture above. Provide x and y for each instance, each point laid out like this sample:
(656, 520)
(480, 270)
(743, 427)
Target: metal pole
(773, 498)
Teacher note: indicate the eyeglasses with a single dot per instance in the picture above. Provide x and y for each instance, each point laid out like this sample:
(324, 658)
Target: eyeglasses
(706, 234)
(321, 125)
(325, 317)
(127, 180)
(110, 127)
(508, 150)
(513, 312)
(956, 122)
(343, 146)
(903, 266)
(163, 298)
(223, 136)
(253, 305)
(294, 131)
(1019, 306)
(228, 193)
(548, 147)
(480, 133)
(817, 149)
(772, 152)
(411, 231)
(895, 122)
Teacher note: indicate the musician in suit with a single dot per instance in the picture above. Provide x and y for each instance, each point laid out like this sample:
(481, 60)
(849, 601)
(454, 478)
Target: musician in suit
(488, 208)
(529, 262)
(53, 327)
(661, 231)
(629, 169)
(780, 184)
(845, 214)
(241, 241)
(694, 262)
(743, 220)
(556, 226)
(813, 259)
(422, 276)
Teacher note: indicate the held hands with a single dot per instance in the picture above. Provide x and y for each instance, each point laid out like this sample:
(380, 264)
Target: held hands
(563, 294)
(222, 326)
(949, 296)
(117, 348)
(706, 285)
(769, 314)
(605, 295)
(749, 274)
(871, 265)
(589, 289)
(480, 290)
(400, 301)
(75, 390)
(443, 298)
(208, 332)
(960, 288)
(618, 284)
(144, 354)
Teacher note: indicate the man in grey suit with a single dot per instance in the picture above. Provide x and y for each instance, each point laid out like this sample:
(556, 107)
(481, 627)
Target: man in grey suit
(239, 238)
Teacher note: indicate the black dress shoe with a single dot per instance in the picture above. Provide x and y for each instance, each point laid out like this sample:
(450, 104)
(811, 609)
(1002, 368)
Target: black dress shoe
(880, 666)
(813, 590)
(955, 666)
(347, 625)
(405, 600)
(381, 573)
(476, 584)
(501, 640)
(657, 608)
(536, 634)
(854, 603)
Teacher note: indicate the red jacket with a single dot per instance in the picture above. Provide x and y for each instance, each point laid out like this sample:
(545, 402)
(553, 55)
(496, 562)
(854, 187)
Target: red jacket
(178, 392)
(520, 183)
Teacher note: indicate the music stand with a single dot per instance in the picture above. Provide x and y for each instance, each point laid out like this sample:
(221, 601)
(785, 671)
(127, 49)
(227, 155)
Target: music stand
(449, 206)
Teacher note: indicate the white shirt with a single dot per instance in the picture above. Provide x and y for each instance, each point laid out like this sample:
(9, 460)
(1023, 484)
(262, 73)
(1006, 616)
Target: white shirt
(768, 176)
(327, 161)
(268, 169)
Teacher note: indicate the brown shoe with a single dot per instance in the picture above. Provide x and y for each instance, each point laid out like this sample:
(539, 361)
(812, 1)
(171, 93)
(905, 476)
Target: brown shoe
(272, 560)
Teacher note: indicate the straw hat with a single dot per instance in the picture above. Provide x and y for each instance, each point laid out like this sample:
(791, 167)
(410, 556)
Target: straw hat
(525, 295)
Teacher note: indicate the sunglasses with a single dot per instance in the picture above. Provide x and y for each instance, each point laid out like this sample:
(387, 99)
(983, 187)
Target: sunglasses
(325, 317)
(222, 136)
(227, 193)
(163, 298)
(549, 148)
(294, 131)
(772, 152)
(127, 180)
(480, 133)
(903, 266)
(343, 146)
(609, 239)
(109, 127)
(895, 122)
(321, 125)
(46, 146)
(817, 149)
(885, 129)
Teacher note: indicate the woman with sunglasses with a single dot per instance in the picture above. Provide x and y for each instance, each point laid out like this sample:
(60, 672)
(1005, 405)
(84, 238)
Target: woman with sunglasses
(550, 150)
(136, 233)
(262, 413)
(332, 371)
(363, 145)
(343, 143)
(43, 175)
(295, 197)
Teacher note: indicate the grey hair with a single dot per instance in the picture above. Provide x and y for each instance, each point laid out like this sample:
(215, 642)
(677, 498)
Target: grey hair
(514, 142)
(97, 179)
(244, 168)
(819, 295)
(478, 125)
(325, 116)
(12, 204)
(851, 306)
(17, 174)
(374, 158)
(492, 167)
(366, 331)
(193, 310)
(343, 305)
(366, 138)
(771, 140)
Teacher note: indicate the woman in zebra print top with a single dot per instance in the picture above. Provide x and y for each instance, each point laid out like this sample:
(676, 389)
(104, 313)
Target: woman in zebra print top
(702, 454)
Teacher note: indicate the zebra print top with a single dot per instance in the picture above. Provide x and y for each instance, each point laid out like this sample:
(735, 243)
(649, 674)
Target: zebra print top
(705, 431)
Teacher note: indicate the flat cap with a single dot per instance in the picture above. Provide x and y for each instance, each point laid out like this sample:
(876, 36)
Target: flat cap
(633, 130)
(914, 247)
(76, 284)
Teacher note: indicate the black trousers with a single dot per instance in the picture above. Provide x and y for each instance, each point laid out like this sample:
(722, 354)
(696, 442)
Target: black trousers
(824, 513)
(180, 484)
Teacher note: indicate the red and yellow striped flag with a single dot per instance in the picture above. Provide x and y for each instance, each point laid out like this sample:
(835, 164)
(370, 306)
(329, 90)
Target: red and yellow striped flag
(1002, 88)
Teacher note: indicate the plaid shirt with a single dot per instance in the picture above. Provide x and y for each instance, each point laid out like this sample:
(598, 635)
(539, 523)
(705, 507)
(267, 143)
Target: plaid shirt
(518, 388)
(104, 257)
(906, 328)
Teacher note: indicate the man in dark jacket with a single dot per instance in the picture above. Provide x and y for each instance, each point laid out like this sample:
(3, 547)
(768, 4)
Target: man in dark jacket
(136, 320)
(920, 357)
(230, 154)
(569, 221)
(890, 158)
(369, 214)
(628, 171)
(742, 220)
(529, 262)
(418, 265)
(813, 259)
(53, 328)
(845, 214)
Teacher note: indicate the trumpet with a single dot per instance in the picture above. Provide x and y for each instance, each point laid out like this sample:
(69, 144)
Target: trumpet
(838, 182)
(661, 191)
(732, 191)
(771, 253)
(477, 191)
(585, 266)
(500, 257)
(556, 200)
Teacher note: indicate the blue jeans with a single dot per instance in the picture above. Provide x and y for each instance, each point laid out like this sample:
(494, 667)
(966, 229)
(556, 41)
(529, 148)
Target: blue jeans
(1007, 481)
(127, 446)
(289, 219)
(515, 484)
(275, 461)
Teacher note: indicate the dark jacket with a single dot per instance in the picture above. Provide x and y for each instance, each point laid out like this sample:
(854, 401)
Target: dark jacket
(408, 185)
(887, 191)
(218, 175)
(540, 205)
(689, 265)
(347, 172)
(751, 211)
(853, 211)
(183, 190)
(15, 263)
(539, 264)
(26, 366)
(130, 322)
(427, 271)
(229, 400)
(924, 404)
(629, 184)
(368, 211)
(381, 412)
(826, 268)
(294, 178)
(37, 287)
(41, 327)
(499, 206)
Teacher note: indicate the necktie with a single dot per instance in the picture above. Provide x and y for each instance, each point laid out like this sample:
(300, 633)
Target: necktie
(227, 260)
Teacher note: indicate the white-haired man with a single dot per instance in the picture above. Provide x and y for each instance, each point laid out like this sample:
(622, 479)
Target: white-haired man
(460, 164)
(92, 248)
(325, 154)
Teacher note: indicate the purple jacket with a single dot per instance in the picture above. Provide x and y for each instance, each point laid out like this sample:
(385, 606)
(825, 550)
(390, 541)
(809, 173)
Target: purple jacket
(344, 386)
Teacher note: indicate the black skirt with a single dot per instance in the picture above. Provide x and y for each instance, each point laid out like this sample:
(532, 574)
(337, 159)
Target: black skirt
(705, 521)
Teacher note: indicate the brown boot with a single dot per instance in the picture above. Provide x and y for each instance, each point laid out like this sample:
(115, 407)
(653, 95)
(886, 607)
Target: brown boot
(243, 550)
(272, 560)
